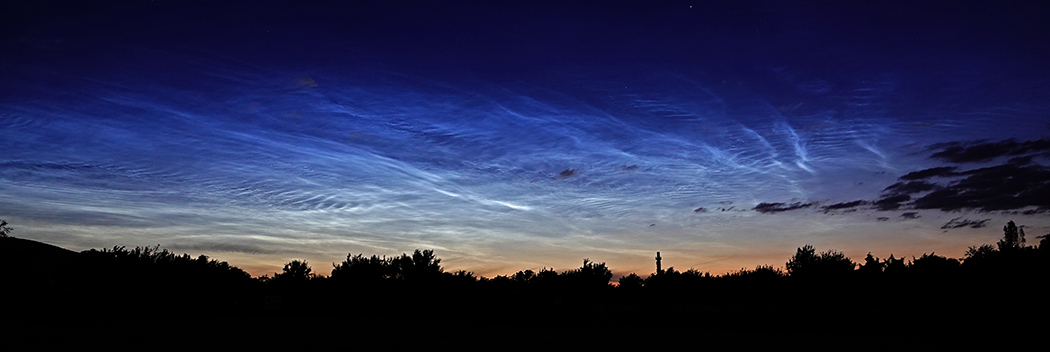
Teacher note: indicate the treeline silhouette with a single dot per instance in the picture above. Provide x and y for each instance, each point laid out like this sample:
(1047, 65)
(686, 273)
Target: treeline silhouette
(819, 290)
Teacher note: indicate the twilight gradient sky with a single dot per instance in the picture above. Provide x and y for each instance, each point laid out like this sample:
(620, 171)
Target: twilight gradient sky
(511, 135)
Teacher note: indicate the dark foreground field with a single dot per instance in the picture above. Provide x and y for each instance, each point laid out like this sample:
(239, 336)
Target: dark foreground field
(697, 326)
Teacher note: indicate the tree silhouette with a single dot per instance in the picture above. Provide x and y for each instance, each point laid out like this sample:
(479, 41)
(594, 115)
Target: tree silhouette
(760, 273)
(631, 282)
(591, 274)
(5, 231)
(462, 277)
(804, 260)
(807, 263)
(426, 263)
(422, 265)
(1013, 237)
(546, 278)
(977, 255)
(894, 266)
(872, 265)
(934, 265)
(295, 271)
(358, 268)
(523, 277)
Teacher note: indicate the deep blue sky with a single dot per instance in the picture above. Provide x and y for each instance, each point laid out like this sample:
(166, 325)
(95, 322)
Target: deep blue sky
(512, 135)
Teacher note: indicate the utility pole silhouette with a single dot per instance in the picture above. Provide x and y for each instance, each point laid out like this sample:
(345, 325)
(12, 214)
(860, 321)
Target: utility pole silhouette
(659, 270)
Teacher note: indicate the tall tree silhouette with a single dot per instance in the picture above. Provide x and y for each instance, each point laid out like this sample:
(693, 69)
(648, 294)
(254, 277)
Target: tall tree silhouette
(1013, 237)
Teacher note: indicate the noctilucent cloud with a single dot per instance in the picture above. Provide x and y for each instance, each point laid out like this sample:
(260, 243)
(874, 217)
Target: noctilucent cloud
(516, 135)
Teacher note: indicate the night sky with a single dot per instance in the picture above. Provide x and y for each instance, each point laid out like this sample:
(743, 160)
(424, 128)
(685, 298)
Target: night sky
(512, 135)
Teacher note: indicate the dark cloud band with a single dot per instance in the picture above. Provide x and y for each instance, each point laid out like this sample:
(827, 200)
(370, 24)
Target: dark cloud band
(962, 152)
(767, 208)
